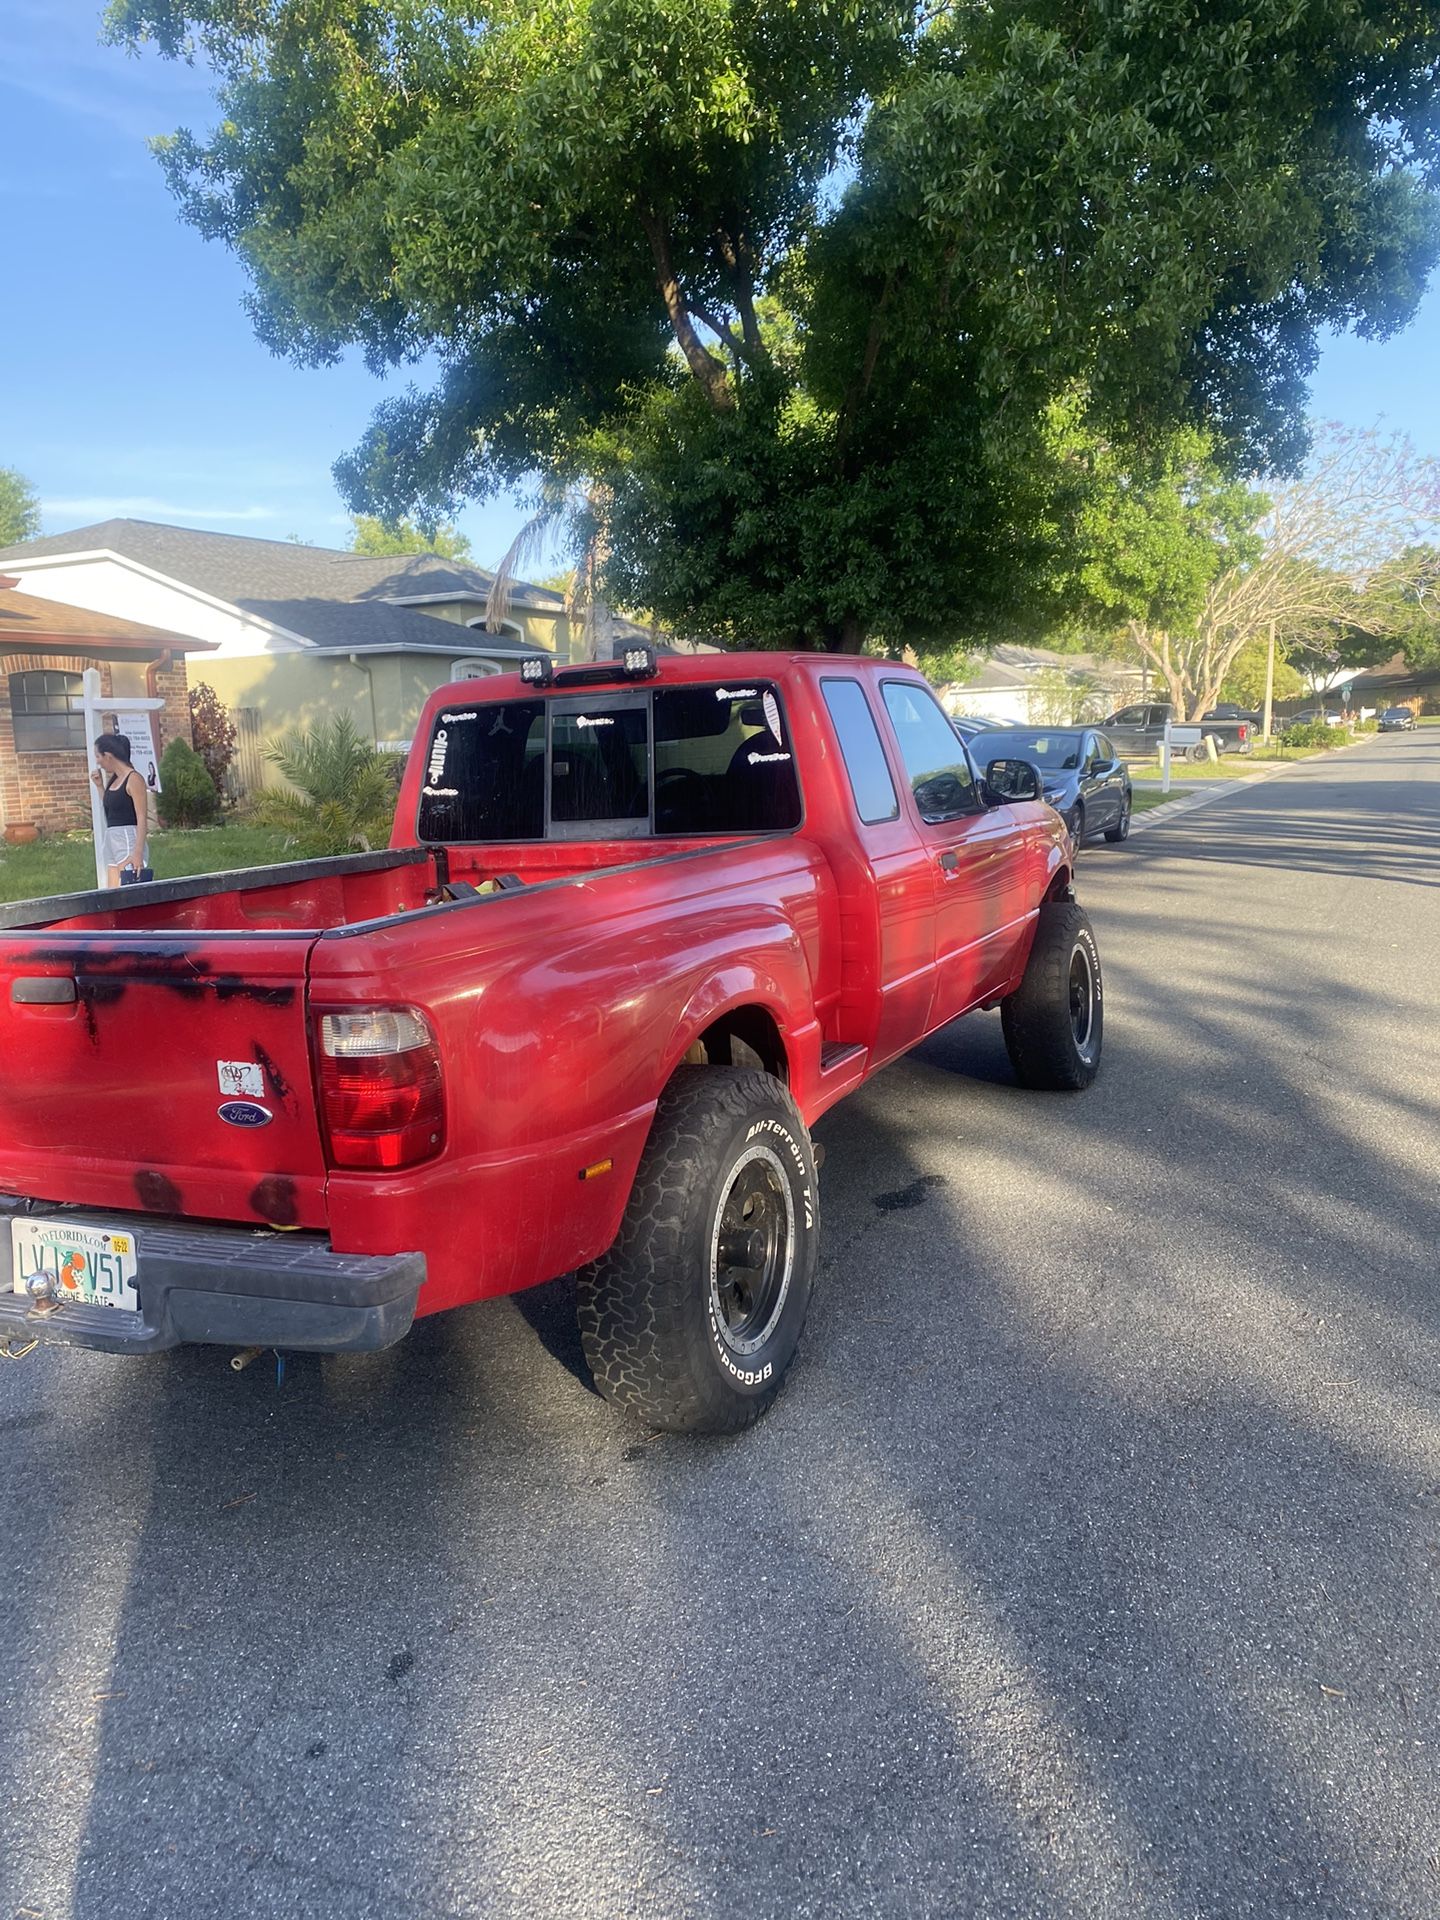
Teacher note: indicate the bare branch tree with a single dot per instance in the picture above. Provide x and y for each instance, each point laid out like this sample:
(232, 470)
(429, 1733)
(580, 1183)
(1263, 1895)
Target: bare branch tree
(1358, 517)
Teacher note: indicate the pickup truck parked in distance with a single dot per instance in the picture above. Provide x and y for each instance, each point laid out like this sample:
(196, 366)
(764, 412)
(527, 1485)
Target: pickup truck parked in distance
(1138, 731)
(638, 929)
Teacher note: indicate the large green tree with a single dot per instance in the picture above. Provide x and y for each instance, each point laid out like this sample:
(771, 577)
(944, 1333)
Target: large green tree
(19, 508)
(796, 282)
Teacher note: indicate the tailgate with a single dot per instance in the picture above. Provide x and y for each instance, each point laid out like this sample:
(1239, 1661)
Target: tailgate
(169, 1073)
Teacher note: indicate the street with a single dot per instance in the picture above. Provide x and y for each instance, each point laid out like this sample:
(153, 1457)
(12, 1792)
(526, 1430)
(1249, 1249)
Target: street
(1087, 1566)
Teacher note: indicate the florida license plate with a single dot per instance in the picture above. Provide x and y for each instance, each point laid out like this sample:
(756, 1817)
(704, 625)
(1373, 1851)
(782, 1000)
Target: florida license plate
(92, 1266)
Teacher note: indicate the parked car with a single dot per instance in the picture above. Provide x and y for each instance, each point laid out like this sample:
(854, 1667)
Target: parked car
(1227, 710)
(1396, 720)
(1314, 716)
(1138, 731)
(967, 725)
(1081, 775)
(639, 927)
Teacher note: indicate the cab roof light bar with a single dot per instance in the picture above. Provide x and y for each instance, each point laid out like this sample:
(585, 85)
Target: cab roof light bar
(636, 663)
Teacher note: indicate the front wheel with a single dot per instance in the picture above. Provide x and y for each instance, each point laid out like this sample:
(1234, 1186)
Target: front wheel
(693, 1317)
(1054, 1022)
(1075, 824)
(1121, 829)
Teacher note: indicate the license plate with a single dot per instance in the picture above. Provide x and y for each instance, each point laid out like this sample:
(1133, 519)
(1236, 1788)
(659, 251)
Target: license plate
(92, 1266)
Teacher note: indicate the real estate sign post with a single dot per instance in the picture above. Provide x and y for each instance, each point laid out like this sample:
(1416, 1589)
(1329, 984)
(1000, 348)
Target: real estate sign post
(131, 718)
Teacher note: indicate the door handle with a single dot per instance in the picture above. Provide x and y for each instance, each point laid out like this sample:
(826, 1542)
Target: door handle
(950, 861)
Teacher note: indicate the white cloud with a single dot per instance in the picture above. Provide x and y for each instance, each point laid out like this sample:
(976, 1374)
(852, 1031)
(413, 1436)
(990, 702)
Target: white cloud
(142, 506)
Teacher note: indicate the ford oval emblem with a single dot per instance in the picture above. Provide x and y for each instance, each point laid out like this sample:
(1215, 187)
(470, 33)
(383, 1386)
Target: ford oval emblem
(245, 1113)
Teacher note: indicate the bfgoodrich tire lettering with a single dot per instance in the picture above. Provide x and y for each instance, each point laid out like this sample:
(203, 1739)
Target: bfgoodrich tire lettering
(692, 1319)
(1054, 1023)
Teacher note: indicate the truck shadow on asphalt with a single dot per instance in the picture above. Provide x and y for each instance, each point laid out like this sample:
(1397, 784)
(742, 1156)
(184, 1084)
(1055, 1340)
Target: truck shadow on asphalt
(1086, 1567)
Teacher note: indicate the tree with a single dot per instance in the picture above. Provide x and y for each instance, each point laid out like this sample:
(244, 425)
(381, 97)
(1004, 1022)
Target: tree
(19, 508)
(1245, 682)
(1193, 569)
(187, 793)
(369, 534)
(796, 285)
(339, 796)
(1402, 614)
(213, 732)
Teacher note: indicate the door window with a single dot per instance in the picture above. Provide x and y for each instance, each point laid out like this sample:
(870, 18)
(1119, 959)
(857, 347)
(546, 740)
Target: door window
(940, 776)
(860, 749)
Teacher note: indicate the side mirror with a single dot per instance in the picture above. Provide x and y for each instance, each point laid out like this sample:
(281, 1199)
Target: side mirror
(1012, 780)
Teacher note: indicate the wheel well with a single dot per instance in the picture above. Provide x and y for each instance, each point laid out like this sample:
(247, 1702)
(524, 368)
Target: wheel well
(1062, 887)
(743, 1037)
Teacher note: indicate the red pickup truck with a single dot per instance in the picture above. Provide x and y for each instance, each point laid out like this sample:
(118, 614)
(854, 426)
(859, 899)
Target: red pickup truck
(639, 927)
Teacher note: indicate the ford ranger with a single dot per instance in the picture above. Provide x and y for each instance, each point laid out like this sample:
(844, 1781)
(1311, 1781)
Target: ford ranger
(638, 928)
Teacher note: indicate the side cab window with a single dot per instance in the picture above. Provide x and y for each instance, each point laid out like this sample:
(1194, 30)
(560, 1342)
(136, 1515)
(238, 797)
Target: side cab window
(941, 778)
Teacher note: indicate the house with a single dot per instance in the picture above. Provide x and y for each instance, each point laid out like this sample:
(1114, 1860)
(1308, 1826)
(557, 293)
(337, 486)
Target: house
(45, 648)
(293, 633)
(1033, 686)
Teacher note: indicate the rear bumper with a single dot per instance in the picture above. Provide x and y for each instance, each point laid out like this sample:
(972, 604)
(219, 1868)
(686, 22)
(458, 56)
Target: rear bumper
(227, 1286)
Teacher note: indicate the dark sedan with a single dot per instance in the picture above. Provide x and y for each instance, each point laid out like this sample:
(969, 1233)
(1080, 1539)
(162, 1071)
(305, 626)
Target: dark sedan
(1081, 774)
(1396, 720)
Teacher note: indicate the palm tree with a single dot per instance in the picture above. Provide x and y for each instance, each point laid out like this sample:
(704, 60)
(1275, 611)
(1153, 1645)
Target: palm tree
(572, 515)
(339, 796)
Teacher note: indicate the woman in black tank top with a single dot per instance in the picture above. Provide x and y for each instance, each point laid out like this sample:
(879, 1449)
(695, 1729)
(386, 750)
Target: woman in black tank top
(126, 802)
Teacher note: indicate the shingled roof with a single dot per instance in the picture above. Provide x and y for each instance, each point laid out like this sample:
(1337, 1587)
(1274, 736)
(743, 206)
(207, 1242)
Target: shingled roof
(330, 598)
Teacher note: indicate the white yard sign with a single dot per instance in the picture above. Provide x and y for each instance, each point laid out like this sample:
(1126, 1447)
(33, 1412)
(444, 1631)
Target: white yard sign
(97, 709)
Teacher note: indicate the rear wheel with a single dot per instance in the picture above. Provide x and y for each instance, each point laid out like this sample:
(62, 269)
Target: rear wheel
(1054, 1023)
(693, 1317)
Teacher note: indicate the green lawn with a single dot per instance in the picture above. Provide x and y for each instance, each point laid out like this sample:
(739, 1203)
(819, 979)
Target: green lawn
(66, 863)
(1143, 798)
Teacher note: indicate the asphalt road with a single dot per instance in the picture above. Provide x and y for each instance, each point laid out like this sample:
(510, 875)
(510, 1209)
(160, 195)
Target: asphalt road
(1087, 1567)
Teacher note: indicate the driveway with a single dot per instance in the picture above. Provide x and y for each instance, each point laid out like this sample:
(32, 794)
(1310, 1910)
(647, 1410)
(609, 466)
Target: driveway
(1087, 1567)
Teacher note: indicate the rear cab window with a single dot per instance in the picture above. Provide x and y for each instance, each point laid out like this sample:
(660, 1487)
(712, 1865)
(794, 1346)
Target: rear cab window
(865, 764)
(680, 761)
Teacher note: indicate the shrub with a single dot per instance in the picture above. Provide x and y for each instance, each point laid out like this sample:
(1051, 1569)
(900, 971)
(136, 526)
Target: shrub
(1366, 726)
(340, 797)
(214, 732)
(1315, 733)
(187, 793)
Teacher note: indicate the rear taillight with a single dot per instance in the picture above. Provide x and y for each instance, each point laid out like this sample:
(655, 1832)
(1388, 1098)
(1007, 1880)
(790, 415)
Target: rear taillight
(381, 1089)
(1244, 730)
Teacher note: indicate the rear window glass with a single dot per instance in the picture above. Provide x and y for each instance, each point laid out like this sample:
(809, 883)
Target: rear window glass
(723, 761)
(670, 760)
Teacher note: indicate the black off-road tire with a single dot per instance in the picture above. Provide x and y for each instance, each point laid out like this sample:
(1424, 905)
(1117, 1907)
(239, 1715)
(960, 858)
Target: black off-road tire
(1054, 1022)
(1121, 829)
(661, 1314)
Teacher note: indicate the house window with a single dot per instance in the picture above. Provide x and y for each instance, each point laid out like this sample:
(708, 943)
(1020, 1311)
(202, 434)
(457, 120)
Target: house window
(474, 669)
(43, 718)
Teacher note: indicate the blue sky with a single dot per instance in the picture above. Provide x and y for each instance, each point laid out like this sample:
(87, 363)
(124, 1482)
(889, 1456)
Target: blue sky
(133, 384)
